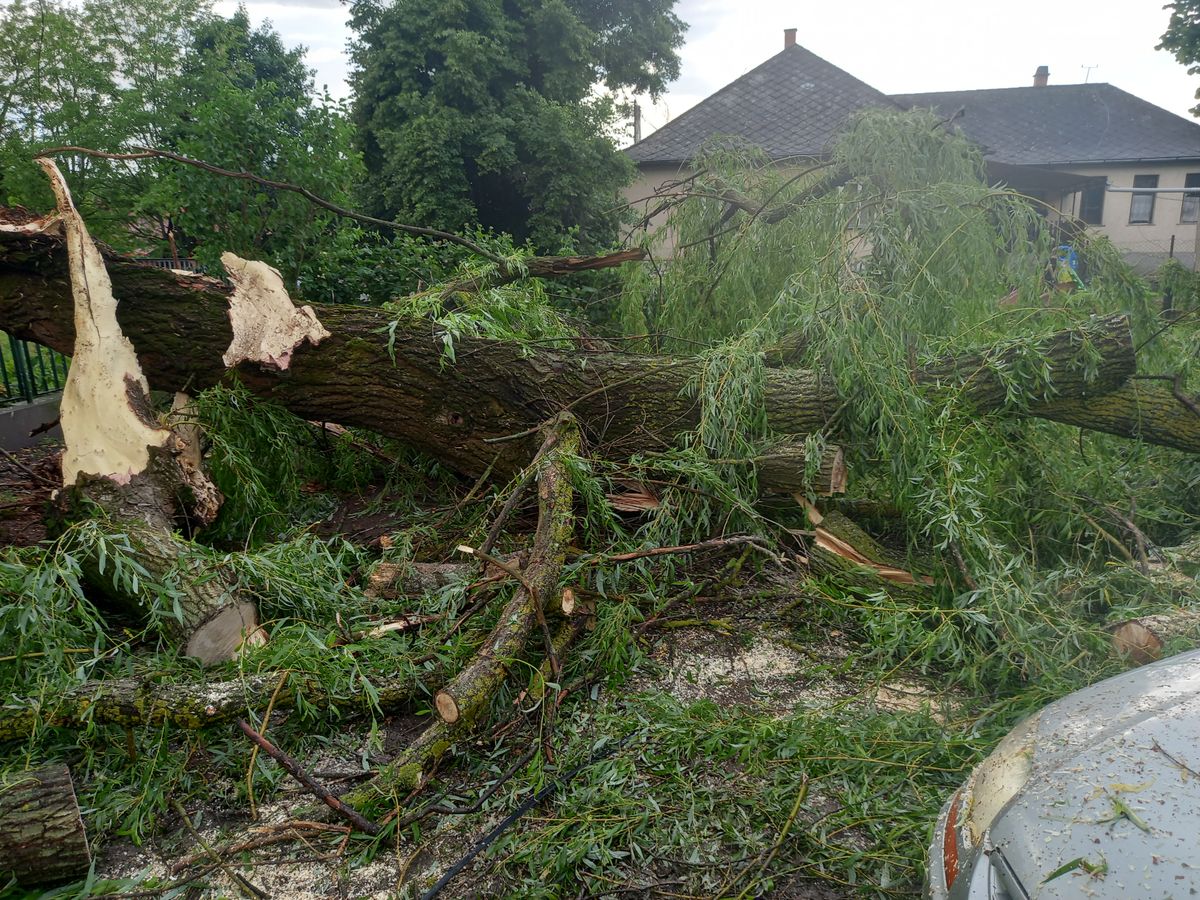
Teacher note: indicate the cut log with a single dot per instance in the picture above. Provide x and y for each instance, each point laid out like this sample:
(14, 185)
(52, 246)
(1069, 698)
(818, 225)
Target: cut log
(783, 469)
(213, 623)
(42, 837)
(625, 404)
(415, 579)
(1142, 640)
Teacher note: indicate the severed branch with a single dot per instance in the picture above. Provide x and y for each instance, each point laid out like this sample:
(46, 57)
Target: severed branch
(131, 702)
(315, 787)
(539, 267)
(462, 702)
(506, 271)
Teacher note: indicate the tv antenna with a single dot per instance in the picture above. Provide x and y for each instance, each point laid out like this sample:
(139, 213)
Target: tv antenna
(1088, 71)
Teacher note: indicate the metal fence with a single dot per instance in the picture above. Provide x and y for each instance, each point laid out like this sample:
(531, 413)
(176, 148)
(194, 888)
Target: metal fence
(28, 371)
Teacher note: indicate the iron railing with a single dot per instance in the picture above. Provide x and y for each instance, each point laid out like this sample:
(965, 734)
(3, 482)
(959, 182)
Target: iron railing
(28, 371)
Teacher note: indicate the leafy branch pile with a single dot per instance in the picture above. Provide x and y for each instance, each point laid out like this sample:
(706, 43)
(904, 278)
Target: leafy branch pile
(855, 398)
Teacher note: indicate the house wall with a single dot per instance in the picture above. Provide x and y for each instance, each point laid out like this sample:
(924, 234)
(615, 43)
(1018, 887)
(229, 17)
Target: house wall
(640, 195)
(1147, 246)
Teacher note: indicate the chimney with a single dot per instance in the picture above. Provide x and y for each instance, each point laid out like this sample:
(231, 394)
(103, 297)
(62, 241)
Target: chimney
(789, 38)
(1041, 76)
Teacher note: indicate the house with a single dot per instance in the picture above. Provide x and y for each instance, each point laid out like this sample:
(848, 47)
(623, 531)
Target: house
(1082, 149)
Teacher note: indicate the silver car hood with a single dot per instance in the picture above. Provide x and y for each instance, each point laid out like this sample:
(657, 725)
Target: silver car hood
(1113, 786)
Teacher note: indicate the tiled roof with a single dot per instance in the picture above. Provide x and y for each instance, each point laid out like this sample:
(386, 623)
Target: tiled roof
(791, 105)
(1064, 124)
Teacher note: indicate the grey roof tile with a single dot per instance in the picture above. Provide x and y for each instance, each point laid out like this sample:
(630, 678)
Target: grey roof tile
(1064, 124)
(791, 105)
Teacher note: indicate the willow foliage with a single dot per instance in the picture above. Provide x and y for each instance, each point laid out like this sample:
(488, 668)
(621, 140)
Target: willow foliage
(892, 253)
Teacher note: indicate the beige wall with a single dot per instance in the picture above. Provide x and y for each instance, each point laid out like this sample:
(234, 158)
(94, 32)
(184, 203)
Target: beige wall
(1155, 237)
(642, 199)
(1146, 245)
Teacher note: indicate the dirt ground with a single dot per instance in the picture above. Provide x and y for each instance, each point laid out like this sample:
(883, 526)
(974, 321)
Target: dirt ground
(757, 670)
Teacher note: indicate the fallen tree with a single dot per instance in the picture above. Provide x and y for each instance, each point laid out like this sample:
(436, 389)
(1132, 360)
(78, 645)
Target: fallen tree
(391, 376)
(931, 435)
(121, 460)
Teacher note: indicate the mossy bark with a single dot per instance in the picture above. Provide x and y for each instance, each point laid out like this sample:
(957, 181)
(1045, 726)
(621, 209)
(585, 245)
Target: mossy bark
(396, 380)
(1150, 410)
(463, 702)
(134, 703)
(42, 836)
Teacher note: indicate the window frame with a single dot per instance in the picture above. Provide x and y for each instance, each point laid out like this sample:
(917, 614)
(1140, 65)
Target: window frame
(1191, 201)
(1100, 189)
(1149, 197)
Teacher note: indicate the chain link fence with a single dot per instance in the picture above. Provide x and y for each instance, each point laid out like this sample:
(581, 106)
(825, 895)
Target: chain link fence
(1148, 256)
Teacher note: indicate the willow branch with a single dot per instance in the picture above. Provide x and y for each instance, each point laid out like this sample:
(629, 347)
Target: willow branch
(152, 153)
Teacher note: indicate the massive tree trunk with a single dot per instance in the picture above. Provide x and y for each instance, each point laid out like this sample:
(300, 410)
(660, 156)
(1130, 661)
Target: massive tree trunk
(395, 380)
(121, 458)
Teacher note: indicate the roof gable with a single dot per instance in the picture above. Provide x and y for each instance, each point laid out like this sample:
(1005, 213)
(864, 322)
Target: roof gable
(1064, 124)
(794, 104)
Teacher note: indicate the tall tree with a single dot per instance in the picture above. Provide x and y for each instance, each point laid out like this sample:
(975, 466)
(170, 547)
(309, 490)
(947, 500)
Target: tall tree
(1182, 37)
(487, 110)
(170, 74)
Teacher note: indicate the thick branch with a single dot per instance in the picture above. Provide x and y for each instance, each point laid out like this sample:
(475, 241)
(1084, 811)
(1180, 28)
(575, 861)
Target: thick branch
(132, 702)
(461, 703)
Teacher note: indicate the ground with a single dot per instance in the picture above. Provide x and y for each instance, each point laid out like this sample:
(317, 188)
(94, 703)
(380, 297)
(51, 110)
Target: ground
(721, 765)
(757, 672)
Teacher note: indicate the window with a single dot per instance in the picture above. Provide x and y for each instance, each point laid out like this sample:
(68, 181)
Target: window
(1190, 211)
(1091, 204)
(1141, 207)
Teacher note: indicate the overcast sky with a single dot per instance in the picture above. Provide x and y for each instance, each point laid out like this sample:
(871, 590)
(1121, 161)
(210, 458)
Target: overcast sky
(897, 47)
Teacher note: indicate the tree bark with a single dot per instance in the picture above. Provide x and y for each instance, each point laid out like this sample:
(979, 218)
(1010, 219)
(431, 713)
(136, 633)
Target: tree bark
(133, 703)
(1151, 410)
(392, 377)
(42, 837)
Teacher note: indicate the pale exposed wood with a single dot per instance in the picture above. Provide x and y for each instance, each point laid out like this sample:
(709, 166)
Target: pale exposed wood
(1143, 640)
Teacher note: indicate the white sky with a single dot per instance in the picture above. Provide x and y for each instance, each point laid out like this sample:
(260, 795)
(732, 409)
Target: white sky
(897, 47)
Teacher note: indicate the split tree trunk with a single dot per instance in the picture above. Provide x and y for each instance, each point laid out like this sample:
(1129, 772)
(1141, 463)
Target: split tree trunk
(625, 404)
(121, 458)
(42, 837)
